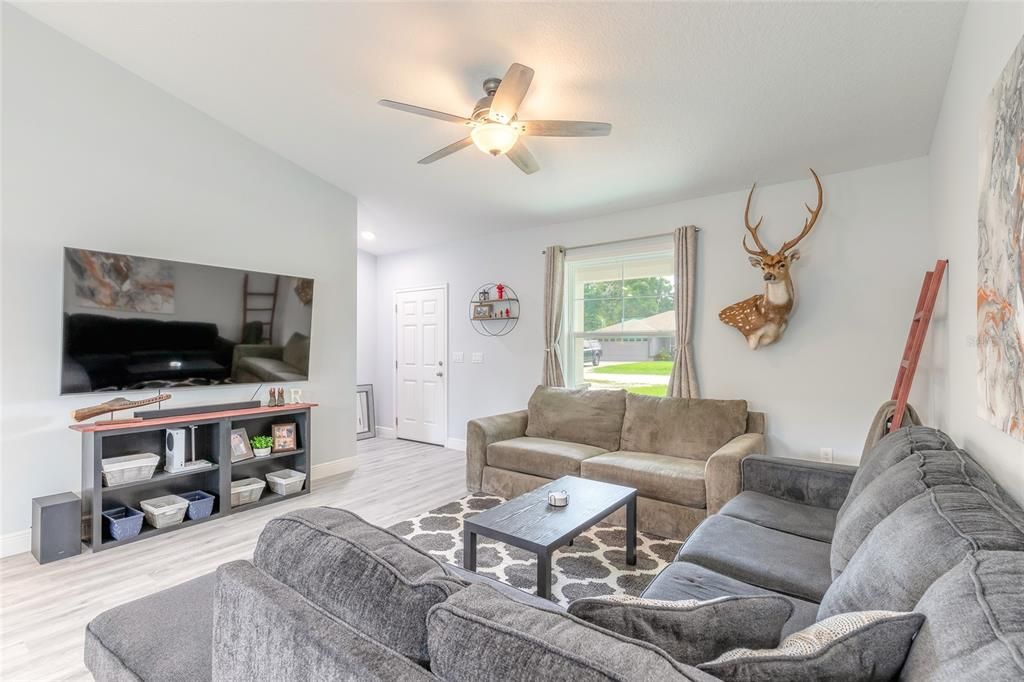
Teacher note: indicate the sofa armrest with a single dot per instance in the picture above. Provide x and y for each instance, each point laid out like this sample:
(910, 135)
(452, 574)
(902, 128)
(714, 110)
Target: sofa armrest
(482, 432)
(264, 630)
(722, 472)
(820, 484)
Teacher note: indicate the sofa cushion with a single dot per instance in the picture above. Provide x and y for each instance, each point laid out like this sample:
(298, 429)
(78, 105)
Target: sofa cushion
(296, 353)
(270, 369)
(922, 539)
(540, 456)
(577, 415)
(357, 572)
(683, 580)
(768, 558)
(891, 449)
(691, 631)
(161, 637)
(807, 521)
(658, 477)
(868, 646)
(974, 622)
(902, 481)
(481, 635)
(681, 427)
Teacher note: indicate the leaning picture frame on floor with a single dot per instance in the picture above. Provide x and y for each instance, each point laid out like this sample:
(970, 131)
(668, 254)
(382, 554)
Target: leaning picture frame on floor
(366, 424)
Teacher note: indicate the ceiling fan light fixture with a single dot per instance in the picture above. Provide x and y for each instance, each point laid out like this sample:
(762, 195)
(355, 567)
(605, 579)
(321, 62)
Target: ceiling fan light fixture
(494, 138)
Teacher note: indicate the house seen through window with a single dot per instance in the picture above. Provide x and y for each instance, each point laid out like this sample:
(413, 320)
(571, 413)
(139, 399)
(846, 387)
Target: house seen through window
(620, 321)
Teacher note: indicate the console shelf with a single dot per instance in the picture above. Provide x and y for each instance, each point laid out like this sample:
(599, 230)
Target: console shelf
(213, 442)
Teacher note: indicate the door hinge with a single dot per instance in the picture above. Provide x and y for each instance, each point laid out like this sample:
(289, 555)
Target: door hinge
(396, 364)
(396, 309)
(396, 421)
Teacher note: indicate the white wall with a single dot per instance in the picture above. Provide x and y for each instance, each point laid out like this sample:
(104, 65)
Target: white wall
(98, 158)
(989, 35)
(857, 283)
(366, 318)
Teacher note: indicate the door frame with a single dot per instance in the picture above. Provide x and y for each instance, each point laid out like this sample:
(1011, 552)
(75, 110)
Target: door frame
(394, 350)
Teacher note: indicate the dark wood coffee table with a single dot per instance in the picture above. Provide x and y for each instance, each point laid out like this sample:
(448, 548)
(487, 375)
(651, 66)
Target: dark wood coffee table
(530, 523)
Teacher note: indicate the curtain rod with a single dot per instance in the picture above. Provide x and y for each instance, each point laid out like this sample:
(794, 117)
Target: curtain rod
(618, 241)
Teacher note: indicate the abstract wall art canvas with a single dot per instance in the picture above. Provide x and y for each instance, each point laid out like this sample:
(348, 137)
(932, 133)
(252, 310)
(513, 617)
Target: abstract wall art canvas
(117, 282)
(1001, 253)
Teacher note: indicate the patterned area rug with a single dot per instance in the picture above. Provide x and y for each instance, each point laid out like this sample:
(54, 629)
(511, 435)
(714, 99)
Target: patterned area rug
(594, 565)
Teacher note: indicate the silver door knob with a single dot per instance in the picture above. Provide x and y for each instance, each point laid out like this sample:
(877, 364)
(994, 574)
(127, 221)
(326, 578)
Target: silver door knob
(440, 374)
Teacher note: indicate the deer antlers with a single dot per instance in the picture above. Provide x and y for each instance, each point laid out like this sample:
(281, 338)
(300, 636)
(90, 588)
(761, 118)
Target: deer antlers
(808, 223)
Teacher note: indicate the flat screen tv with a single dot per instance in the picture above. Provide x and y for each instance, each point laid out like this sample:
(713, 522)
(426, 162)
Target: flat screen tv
(132, 322)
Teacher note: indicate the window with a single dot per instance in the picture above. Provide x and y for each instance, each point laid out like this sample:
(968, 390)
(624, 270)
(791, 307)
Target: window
(620, 319)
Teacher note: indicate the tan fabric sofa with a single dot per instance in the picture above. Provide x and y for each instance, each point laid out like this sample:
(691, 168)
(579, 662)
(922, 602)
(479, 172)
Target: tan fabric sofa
(683, 456)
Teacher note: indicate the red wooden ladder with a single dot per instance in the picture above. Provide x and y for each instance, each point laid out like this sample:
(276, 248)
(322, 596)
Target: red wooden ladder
(915, 340)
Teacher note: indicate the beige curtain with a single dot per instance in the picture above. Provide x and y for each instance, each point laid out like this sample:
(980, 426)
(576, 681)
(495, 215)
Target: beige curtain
(554, 286)
(683, 381)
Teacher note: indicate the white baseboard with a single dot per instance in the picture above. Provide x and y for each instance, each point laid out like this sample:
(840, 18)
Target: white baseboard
(456, 444)
(333, 468)
(15, 543)
(386, 432)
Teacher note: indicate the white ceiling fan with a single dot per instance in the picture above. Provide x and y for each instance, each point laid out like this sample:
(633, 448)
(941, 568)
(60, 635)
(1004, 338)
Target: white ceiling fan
(494, 128)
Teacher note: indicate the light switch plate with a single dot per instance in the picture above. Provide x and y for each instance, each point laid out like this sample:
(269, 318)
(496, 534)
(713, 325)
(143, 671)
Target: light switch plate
(825, 454)
(478, 358)
(458, 357)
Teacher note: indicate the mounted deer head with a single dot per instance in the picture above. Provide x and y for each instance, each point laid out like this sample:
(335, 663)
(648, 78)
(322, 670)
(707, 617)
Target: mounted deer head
(763, 318)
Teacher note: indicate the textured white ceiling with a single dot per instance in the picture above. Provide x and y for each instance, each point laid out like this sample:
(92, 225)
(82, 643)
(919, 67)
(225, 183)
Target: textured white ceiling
(703, 98)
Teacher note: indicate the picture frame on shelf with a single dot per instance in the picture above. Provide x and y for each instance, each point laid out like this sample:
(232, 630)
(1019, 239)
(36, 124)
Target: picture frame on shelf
(366, 423)
(284, 436)
(240, 448)
(483, 311)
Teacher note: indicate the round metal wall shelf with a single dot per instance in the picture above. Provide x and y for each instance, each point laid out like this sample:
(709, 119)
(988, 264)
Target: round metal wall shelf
(493, 316)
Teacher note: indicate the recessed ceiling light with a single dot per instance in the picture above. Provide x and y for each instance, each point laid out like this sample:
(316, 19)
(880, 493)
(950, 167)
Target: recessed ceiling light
(368, 236)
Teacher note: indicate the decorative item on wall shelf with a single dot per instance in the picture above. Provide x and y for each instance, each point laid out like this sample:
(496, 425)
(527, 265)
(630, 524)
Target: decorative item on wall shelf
(762, 318)
(240, 447)
(116, 405)
(1000, 257)
(494, 316)
(366, 423)
(296, 395)
(261, 445)
(284, 437)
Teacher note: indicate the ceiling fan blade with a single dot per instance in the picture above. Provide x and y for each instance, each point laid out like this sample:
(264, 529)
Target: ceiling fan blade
(510, 93)
(430, 113)
(450, 149)
(564, 128)
(521, 156)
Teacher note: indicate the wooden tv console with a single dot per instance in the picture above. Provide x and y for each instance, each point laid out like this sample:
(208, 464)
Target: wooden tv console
(213, 434)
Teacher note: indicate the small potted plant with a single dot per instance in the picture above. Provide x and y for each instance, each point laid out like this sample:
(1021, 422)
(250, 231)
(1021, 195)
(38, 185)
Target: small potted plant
(261, 445)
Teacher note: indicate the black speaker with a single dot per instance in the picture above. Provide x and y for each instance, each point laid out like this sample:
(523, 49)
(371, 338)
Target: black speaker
(56, 527)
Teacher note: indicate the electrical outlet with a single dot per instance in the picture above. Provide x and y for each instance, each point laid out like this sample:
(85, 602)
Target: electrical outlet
(478, 358)
(458, 357)
(825, 454)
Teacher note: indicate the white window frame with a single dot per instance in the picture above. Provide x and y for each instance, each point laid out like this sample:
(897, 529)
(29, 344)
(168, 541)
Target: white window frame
(623, 252)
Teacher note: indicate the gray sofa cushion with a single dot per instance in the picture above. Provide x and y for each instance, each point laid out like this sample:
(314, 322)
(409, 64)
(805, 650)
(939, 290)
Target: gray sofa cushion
(163, 637)
(264, 630)
(894, 448)
(657, 477)
(270, 369)
(682, 580)
(902, 481)
(681, 427)
(852, 647)
(921, 540)
(357, 572)
(690, 631)
(974, 627)
(296, 353)
(481, 635)
(768, 558)
(577, 416)
(807, 521)
(540, 456)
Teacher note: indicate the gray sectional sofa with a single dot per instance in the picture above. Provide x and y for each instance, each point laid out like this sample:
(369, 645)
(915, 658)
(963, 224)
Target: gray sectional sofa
(918, 527)
(683, 456)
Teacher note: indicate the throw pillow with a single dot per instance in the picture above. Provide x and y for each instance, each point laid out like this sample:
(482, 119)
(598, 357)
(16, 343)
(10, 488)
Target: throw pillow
(864, 646)
(690, 631)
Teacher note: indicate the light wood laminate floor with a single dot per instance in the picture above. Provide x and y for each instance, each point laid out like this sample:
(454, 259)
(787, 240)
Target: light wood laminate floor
(44, 609)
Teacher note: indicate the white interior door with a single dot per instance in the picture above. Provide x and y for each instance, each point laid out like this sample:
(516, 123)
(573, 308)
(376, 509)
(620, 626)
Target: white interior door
(421, 368)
